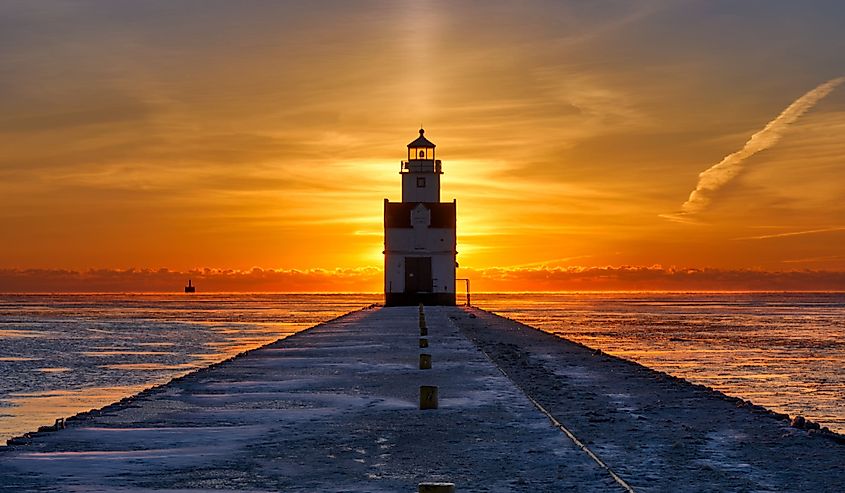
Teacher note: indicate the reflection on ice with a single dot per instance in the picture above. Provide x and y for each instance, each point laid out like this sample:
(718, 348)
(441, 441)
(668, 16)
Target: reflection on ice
(11, 334)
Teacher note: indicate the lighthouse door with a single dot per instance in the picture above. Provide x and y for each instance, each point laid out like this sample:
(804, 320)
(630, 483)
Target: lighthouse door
(418, 275)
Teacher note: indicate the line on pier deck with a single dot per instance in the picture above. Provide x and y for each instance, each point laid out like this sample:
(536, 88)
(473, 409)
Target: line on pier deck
(555, 422)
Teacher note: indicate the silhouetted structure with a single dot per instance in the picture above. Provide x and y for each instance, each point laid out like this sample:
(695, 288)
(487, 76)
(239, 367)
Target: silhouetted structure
(190, 288)
(419, 234)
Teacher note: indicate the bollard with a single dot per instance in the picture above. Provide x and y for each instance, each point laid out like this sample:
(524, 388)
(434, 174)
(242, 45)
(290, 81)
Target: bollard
(436, 488)
(423, 342)
(423, 331)
(425, 361)
(428, 397)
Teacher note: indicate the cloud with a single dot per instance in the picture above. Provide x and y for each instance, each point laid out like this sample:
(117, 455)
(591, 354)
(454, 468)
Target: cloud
(826, 258)
(369, 279)
(794, 233)
(718, 175)
(365, 279)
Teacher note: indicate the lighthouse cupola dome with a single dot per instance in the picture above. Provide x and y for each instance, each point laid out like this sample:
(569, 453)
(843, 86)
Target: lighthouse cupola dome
(421, 148)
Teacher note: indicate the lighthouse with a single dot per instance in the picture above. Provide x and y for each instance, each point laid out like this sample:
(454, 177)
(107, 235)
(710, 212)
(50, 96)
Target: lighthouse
(419, 234)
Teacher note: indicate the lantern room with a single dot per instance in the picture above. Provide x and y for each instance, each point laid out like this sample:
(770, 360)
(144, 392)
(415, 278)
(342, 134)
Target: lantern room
(421, 172)
(421, 149)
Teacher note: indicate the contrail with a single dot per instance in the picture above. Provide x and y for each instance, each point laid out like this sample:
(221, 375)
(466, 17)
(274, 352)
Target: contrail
(715, 177)
(794, 233)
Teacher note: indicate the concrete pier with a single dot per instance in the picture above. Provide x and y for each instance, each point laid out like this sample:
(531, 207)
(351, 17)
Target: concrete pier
(336, 408)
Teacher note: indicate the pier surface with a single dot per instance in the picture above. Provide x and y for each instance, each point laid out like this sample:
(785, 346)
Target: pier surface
(335, 408)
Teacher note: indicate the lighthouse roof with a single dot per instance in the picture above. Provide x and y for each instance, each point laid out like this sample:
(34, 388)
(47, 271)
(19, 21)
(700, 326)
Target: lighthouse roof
(421, 141)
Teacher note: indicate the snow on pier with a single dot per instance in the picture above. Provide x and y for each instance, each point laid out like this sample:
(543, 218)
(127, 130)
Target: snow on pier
(337, 408)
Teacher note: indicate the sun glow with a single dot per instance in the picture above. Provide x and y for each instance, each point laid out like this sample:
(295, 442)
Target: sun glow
(555, 147)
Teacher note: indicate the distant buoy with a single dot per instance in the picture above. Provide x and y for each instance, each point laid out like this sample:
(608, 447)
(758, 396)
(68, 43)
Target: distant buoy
(190, 288)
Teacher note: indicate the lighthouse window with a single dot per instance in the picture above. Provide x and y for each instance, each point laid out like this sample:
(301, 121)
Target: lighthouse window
(420, 153)
(420, 182)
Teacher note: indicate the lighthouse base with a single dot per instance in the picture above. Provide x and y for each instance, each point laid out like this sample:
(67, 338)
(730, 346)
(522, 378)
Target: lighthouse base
(410, 299)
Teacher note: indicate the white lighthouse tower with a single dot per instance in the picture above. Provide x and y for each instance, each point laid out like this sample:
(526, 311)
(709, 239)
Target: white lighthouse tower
(419, 234)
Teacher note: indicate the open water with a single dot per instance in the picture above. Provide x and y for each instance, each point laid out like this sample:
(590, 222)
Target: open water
(62, 354)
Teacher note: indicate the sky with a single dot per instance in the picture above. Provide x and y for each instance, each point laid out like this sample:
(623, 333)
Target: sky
(257, 140)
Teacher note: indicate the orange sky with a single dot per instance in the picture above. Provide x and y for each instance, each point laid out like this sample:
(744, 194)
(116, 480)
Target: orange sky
(234, 135)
